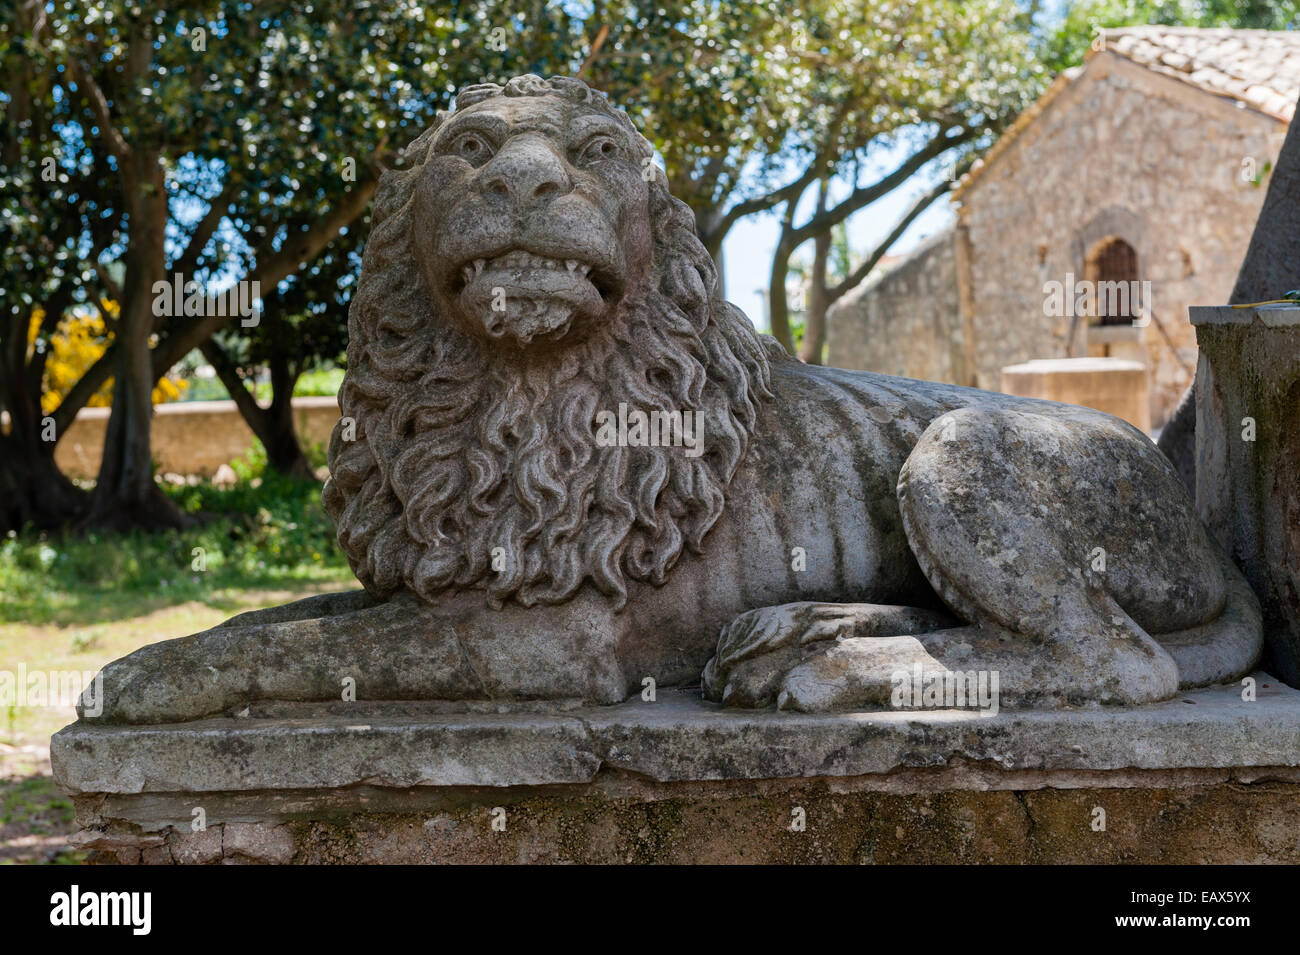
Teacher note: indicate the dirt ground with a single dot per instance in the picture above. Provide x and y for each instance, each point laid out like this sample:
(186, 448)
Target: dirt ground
(36, 819)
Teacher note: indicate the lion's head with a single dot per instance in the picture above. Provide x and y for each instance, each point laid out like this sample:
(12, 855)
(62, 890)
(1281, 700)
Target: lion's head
(525, 272)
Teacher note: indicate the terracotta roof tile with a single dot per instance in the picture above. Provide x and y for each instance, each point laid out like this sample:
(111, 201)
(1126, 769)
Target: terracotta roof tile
(1259, 67)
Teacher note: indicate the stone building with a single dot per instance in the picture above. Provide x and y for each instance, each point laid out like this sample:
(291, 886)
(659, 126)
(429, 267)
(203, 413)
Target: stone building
(1145, 166)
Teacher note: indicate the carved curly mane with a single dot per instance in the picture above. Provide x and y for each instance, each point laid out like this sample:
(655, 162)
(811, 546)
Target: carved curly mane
(460, 454)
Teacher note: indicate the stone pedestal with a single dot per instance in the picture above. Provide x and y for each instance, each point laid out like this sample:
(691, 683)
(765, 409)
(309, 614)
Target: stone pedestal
(1248, 458)
(1207, 777)
(1113, 385)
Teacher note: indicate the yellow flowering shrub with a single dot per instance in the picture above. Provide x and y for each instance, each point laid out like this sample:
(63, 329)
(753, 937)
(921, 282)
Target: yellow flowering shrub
(76, 344)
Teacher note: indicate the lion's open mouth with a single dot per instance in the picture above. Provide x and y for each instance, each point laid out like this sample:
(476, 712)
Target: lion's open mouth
(528, 296)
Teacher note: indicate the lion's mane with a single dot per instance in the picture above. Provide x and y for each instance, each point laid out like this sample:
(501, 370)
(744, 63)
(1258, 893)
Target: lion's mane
(457, 451)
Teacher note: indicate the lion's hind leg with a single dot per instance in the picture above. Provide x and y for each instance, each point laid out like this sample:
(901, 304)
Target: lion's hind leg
(1228, 646)
(1014, 516)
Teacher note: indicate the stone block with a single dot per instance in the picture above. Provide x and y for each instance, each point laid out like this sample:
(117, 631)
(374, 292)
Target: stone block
(1113, 385)
(682, 780)
(1248, 458)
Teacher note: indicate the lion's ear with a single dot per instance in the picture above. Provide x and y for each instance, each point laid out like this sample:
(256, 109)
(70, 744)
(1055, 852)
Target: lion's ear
(416, 154)
(396, 184)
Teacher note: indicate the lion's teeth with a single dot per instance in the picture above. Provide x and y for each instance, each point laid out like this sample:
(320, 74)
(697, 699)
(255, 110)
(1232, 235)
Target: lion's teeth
(478, 266)
(526, 260)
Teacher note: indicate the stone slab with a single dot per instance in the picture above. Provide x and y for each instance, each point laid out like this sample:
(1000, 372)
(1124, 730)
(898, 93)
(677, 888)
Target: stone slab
(679, 738)
(1273, 316)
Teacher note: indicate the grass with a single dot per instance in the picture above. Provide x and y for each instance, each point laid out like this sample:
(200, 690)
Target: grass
(272, 534)
(321, 381)
(35, 818)
(49, 648)
(35, 821)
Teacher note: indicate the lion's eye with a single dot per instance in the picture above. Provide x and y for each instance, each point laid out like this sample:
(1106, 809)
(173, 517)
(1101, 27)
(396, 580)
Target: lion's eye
(598, 148)
(472, 147)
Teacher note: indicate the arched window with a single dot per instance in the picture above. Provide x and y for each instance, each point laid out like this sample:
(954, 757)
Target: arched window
(1114, 261)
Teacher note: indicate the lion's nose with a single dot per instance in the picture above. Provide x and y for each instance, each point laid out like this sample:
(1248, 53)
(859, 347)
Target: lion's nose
(526, 171)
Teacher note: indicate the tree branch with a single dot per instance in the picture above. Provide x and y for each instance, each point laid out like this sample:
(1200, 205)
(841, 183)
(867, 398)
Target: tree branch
(98, 103)
(788, 193)
(111, 287)
(866, 195)
(244, 400)
(921, 203)
(763, 203)
(84, 389)
(596, 44)
(188, 260)
(293, 253)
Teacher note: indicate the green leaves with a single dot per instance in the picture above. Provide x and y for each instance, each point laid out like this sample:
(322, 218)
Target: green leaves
(1066, 43)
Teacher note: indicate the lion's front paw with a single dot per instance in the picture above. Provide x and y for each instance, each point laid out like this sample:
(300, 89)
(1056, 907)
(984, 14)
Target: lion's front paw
(794, 654)
(856, 674)
(164, 682)
(760, 646)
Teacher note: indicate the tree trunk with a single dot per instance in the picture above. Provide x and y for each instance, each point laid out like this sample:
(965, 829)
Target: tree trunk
(814, 330)
(283, 450)
(125, 493)
(33, 491)
(706, 228)
(719, 263)
(1271, 269)
(778, 308)
(273, 425)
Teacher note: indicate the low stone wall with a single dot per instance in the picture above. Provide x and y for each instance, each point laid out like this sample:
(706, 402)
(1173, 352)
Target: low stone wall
(189, 437)
(681, 780)
(907, 322)
(1112, 385)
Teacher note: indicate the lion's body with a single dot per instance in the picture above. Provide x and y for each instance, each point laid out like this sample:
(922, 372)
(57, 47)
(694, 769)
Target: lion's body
(813, 516)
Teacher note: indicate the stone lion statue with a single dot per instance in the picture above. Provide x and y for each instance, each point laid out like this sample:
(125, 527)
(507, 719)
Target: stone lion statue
(566, 467)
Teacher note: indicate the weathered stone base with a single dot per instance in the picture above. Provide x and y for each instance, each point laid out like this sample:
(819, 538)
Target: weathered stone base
(1181, 817)
(1206, 778)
